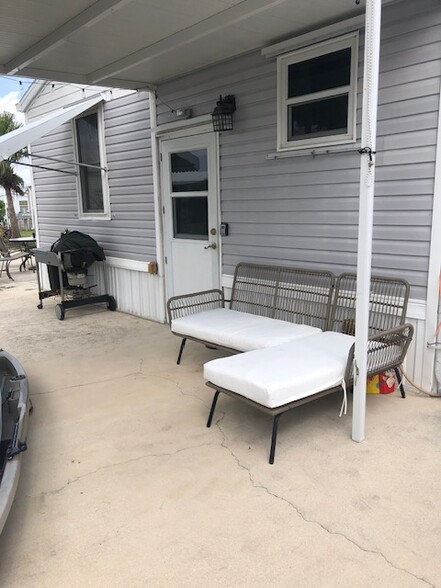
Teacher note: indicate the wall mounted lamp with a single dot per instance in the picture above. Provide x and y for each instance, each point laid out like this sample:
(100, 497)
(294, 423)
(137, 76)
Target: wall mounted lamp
(223, 113)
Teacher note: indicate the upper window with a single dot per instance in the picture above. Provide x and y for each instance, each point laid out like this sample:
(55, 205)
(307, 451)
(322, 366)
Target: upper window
(24, 206)
(91, 175)
(317, 94)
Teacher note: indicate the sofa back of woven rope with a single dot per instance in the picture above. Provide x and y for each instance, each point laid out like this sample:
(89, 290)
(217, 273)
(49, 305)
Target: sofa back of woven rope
(317, 298)
(387, 306)
(297, 295)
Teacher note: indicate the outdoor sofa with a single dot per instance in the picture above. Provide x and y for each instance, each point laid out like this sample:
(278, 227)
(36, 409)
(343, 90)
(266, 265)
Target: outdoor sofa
(268, 305)
(311, 355)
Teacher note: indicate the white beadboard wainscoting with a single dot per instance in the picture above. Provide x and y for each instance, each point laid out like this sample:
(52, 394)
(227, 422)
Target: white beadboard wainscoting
(142, 294)
(135, 290)
(419, 354)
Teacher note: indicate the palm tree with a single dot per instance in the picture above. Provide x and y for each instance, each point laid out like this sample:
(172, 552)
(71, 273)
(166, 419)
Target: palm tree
(10, 181)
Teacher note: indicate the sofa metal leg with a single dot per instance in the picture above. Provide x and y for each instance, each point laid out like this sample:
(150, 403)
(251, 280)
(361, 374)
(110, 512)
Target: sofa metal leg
(274, 438)
(400, 382)
(213, 406)
(181, 349)
(8, 273)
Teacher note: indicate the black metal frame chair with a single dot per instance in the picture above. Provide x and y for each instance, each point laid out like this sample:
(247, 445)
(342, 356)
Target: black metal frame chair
(6, 257)
(296, 295)
(386, 351)
(389, 338)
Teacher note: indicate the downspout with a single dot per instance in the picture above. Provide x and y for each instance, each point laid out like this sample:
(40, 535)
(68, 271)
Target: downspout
(438, 356)
(437, 344)
(366, 212)
(157, 205)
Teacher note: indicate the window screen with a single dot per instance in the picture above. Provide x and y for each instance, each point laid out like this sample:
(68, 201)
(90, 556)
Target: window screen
(89, 153)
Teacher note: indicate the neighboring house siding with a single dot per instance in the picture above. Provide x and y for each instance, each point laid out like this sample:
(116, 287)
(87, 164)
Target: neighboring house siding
(130, 234)
(303, 211)
(15, 198)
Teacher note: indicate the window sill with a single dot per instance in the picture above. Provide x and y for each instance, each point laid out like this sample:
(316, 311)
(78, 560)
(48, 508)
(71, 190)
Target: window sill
(313, 151)
(94, 217)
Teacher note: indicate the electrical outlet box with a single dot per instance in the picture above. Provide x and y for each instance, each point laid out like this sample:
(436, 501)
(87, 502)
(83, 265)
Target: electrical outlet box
(224, 229)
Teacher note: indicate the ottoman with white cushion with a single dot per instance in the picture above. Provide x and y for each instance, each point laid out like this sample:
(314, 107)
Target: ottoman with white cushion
(279, 378)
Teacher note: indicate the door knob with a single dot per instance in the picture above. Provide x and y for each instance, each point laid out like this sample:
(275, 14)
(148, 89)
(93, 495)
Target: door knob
(211, 246)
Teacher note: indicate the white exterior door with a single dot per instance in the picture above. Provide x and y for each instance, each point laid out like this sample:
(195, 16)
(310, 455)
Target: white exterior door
(190, 206)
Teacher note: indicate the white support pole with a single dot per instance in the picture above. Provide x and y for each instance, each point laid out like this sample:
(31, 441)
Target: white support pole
(366, 211)
(428, 380)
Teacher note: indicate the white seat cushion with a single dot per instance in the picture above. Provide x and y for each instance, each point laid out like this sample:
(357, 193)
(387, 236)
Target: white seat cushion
(239, 330)
(278, 375)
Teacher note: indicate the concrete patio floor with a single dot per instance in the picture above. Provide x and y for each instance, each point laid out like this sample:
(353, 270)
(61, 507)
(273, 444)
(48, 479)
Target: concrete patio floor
(123, 485)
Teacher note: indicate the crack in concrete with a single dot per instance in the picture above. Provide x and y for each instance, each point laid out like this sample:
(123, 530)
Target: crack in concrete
(223, 444)
(91, 383)
(297, 509)
(139, 372)
(120, 463)
(180, 390)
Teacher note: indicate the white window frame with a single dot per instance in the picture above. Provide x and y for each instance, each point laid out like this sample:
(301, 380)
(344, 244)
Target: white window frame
(23, 204)
(82, 214)
(351, 41)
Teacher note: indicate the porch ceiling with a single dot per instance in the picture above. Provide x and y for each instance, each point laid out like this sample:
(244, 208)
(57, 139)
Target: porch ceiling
(136, 43)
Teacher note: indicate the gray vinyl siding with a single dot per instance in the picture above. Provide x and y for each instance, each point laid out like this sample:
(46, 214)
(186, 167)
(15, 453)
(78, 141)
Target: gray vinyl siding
(130, 234)
(303, 211)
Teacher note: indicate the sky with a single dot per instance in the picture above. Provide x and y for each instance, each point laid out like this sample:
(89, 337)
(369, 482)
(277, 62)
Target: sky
(10, 94)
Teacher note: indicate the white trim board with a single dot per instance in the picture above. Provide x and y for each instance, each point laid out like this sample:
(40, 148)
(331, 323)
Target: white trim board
(416, 309)
(31, 93)
(181, 128)
(129, 264)
(315, 36)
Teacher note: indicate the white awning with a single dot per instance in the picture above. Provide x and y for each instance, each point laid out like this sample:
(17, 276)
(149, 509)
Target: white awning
(27, 134)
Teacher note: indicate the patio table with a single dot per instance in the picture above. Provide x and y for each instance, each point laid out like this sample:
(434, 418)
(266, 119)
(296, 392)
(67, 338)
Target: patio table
(26, 245)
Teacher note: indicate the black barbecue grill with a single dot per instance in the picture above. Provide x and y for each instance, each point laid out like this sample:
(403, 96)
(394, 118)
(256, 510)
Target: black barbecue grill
(68, 262)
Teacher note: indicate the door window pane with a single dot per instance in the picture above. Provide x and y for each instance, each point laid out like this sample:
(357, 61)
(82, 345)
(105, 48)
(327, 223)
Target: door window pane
(190, 217)
(321, 73)
(189, 171)
(318, 118)
(89, 152)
